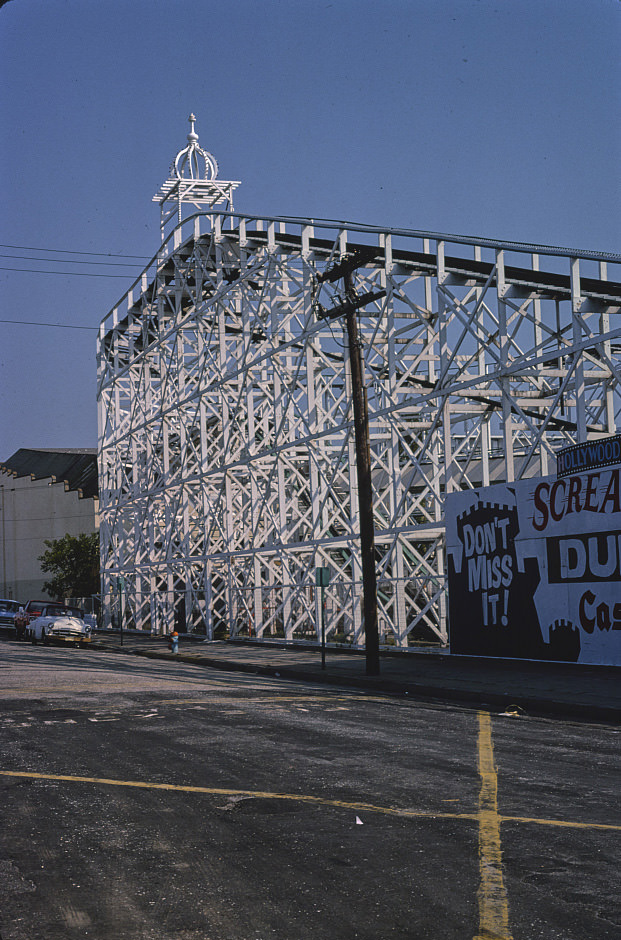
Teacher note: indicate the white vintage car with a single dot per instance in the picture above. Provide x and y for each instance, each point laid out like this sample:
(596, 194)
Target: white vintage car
(63, 624)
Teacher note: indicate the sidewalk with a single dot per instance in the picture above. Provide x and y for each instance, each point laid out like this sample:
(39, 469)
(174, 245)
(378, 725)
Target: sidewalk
(591, 693)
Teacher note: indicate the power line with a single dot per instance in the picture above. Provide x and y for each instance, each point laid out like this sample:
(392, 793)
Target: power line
(50, 518)
(64, 273)
(57, 326)
(67, 251)
(113, 264)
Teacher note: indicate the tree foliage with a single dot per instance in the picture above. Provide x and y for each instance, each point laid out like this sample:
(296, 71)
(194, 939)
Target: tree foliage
(73, 562)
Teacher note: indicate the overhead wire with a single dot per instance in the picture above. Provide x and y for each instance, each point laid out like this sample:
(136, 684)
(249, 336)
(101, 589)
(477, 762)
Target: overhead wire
(113, 264)
(58, 326)
(64, 273)
(84, 259)
(85, 255)
(68, 251)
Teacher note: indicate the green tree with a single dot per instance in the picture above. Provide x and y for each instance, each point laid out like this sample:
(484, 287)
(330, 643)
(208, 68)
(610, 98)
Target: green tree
(73, 562)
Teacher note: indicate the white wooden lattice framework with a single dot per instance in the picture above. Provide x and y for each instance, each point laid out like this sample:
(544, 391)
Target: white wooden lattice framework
(227, 464)
(227, 459)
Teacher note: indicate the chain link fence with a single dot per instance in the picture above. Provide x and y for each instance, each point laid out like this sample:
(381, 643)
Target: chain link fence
(410, 612)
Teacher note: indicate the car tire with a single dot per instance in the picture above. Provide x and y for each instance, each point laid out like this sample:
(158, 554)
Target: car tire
(33, 638)
(44, 638)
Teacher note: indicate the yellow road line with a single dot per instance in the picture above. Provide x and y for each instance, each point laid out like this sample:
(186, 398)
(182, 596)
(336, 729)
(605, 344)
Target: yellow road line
(492, 897)
(299, 797)
(562, 823)
(251, 794)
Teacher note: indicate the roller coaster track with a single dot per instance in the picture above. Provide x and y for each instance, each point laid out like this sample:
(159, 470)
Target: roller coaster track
(226, 457)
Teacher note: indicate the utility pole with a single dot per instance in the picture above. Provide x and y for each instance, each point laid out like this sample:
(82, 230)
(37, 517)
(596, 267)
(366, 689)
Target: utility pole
(352, 303)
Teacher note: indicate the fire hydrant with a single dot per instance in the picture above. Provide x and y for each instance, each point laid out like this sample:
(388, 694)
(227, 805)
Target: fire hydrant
(173, 645)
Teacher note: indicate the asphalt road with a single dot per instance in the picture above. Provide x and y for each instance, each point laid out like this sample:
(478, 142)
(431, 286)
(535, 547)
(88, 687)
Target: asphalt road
(151, 800)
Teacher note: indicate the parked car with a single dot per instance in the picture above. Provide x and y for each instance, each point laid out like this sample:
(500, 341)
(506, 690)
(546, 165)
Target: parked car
(28, 612)
(8, 609)
(91, 621)
(60, 623)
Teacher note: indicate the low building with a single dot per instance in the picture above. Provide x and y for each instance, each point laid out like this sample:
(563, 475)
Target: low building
(44, 494)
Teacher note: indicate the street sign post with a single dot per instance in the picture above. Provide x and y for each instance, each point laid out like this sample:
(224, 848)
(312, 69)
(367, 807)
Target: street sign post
(322, 580)
(121, 589)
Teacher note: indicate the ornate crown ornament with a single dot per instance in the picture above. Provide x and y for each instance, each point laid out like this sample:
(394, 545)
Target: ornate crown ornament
(193, 162)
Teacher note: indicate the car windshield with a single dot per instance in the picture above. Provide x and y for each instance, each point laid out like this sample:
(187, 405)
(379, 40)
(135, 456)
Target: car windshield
(9, 606)
(58, 611)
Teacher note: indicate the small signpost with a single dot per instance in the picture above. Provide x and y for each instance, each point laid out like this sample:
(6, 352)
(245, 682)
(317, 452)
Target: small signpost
(121, 590)
(322, 580)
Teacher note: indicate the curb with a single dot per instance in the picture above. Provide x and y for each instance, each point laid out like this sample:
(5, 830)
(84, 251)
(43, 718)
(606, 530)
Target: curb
(535, 707)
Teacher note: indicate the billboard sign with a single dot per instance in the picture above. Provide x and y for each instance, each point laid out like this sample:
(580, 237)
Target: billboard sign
(535, 568)
(579, 458)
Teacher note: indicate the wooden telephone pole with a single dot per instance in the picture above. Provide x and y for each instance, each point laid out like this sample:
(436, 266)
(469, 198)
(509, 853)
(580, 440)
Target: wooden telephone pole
(352, 303)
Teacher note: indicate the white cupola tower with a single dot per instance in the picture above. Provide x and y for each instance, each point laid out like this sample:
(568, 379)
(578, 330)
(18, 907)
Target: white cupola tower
(193, 179)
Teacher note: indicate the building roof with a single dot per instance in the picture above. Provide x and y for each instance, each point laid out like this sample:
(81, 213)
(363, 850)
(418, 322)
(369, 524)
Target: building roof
(75, 467)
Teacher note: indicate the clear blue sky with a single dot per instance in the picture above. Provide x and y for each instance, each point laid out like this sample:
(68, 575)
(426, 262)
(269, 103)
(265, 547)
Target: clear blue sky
(497, 118)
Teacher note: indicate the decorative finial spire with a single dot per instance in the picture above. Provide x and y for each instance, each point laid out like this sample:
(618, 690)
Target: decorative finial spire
(193, 162)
